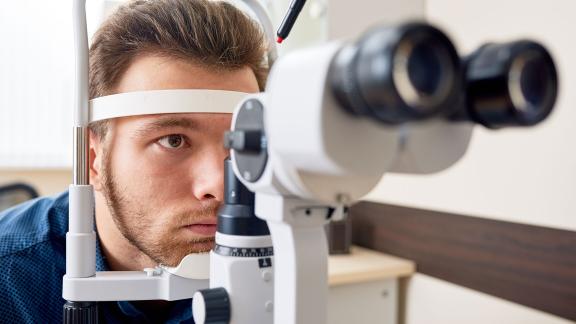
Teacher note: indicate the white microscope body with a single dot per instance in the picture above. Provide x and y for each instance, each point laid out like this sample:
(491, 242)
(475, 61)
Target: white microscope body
(319, 159)
(334, 119)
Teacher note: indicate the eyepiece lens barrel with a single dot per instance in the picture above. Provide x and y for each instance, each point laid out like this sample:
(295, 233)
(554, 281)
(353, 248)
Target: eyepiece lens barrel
(400, 74)
(423, 74)
(510, 84)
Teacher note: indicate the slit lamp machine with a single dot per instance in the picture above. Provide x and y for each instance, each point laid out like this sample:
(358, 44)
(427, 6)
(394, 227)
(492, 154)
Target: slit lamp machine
(398, 99)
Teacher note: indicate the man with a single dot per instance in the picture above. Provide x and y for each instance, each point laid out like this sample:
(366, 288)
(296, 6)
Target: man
(158, 179)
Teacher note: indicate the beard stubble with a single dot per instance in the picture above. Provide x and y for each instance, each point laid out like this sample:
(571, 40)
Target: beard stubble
(134, 223)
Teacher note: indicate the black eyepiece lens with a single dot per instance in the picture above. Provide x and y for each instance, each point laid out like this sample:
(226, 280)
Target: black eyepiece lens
(535, 83)
(425, 68)
(423, 73)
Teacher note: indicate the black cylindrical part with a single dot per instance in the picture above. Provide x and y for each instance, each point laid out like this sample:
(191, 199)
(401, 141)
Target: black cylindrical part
(217, 305)
(80, 312)
(396, 75)
(290, 18)
(510, 84)
(236, 216)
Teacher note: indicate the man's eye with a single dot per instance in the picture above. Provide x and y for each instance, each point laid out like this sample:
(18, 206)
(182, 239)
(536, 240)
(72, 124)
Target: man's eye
(173, 141)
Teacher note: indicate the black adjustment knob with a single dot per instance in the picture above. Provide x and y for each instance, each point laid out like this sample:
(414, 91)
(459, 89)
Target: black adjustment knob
(244, 140)
(80, 313)
(211, 306)
(248, 140)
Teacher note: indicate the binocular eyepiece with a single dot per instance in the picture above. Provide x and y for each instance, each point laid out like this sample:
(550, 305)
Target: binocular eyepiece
(413, 72)
(395, 75)
(510, 84)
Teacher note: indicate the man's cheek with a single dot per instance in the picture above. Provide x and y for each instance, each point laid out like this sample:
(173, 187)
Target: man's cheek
(167, 168)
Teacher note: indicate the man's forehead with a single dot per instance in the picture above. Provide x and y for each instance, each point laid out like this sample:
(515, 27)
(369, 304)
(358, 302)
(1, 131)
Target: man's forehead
(154, 72)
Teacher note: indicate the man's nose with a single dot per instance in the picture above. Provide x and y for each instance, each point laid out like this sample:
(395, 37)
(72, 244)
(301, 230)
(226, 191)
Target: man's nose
(208, 176)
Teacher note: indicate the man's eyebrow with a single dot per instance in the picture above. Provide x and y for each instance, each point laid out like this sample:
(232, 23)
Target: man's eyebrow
(163, 123)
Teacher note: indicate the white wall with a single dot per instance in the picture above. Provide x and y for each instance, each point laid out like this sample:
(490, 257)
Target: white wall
(322, 20)
(433, 301)
(526, 176)
(35, 83)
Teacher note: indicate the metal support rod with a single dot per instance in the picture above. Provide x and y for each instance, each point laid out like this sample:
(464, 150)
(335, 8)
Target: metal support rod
(81, 156)
(80, 93)
(81, 63)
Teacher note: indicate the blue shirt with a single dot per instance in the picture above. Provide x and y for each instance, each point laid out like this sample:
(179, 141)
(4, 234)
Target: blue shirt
(33, 261)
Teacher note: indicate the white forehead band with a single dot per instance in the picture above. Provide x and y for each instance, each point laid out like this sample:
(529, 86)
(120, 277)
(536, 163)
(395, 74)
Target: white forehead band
(164, 102)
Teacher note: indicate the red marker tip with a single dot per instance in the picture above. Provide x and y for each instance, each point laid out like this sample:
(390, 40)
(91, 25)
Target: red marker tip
(280, 40)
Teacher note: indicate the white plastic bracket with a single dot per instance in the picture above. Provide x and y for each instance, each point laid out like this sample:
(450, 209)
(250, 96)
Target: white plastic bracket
(153, 284)
(301, 257)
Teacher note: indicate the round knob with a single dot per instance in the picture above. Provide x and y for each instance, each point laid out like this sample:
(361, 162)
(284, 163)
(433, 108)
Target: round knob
(244, 140)
(211, 306)
(248, 140)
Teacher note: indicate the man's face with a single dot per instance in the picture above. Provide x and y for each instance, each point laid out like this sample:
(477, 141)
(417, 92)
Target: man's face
(162, 175)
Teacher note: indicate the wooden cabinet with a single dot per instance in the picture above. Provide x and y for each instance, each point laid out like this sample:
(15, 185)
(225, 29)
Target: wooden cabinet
(365, 287)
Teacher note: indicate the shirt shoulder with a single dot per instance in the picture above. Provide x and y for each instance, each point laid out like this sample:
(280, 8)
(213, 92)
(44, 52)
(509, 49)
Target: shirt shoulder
(33, 222)
(32, 260)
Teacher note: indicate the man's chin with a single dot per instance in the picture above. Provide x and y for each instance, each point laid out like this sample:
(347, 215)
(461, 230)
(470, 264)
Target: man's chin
(203, 246)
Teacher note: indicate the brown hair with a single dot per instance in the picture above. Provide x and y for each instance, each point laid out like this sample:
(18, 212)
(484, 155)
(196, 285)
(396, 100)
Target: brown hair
(213, 34)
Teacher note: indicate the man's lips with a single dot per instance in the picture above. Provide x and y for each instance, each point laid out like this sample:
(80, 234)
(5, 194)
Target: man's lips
(207, 228)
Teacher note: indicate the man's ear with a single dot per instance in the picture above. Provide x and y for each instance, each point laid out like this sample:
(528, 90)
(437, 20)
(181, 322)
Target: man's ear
(96, 157)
